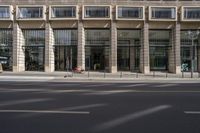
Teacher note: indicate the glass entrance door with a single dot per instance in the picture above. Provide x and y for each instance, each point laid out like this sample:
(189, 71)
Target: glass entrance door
(65, 58)
(34, 58)
(158, 58)
(96, 57)
(123, 58)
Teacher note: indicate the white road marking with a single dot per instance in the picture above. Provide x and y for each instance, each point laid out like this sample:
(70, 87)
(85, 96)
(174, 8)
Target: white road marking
(133, 85)
(122, 120)
(44, 111)
(192, 112)
(7, 103)
(108, 92)
(165, 85)
(84, 106)
(97, 85)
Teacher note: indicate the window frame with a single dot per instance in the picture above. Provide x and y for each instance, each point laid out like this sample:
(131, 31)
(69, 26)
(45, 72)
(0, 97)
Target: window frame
(143, 13)
(97, 18)
(63, 18)
(31, 6)
(183, 13)
(162, 19)
(10, 12)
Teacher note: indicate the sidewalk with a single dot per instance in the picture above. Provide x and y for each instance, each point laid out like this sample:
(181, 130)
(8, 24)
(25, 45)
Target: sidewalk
(88, 76)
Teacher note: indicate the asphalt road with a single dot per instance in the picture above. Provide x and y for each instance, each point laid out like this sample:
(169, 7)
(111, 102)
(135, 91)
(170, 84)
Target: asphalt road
(45, 107)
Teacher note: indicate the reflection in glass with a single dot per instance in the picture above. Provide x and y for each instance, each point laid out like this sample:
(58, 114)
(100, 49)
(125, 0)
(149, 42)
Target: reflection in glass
(30, 12)
(63, 12)
(130, 12)
(191, 12)
(65, 49)
(160, 44)
(128, 49)
(163, 13)
(97, 49)
(97, 12)
(34, 49)
(186, 47)
(4, 12)
(6, 58)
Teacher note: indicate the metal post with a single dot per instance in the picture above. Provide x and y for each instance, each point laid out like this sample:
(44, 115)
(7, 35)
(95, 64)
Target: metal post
(182, 74)
(136, 74)
(166, 75)
(88, 74)
(121, 74)
(154, 74)
(104, 73)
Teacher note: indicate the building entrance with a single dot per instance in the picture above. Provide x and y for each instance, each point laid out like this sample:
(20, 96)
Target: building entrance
(65, 58)
(34, 58)
(96, 58)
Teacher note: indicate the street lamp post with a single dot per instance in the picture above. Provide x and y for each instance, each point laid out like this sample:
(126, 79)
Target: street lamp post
(192, 35)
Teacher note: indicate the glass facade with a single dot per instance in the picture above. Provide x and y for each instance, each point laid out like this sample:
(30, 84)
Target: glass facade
(186, 51)
(130, 12)
(63, 12)
(4, 12)
(96, 12)
(97, 49)
(128, 49)
(163, 13)
(191, 12)
(65, 49)
(34, 49)
(6, 58)
(160, 44)
(30, 12)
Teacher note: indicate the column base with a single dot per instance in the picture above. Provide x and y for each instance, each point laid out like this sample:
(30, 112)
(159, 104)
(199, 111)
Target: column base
(145, 70)
(18, 69)
(113, 69)
(49, 69)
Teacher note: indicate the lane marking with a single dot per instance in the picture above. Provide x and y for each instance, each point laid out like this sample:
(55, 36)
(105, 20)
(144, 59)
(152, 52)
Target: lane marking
(84, 106)
(192, 112)
(8, 103)
(165, 85)
(44, 111)
(124, 119)
(97, 85)
(133, 85)
(108, 92)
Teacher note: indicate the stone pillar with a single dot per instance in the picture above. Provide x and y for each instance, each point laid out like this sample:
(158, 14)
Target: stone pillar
(132, 58)
(18, 50)
(49, 50)
(174, 52)
(113, 48)
(81, 46)
(144, 50)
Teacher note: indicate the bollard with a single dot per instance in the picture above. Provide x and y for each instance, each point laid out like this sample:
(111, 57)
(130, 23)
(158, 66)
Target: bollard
(88, 74)
(182, 74)
(104, 73)
(120, 74)
(136, 74)
(166, 75)
(72, 73)
(154, 74)
(199, 74)
(1, 68)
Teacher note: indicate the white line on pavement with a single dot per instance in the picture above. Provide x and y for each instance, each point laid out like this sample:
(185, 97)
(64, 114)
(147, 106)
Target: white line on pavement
(84, 106)
(44, 111)
(192, 112)
(133, 85)
(165, 85)
(7, 103)
(118, 121)
(97, 85)
(108, 92)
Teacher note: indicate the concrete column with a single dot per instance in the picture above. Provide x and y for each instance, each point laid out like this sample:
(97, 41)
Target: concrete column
(113, 50)
(81, 46)
(144, 51)
(175, 56)
(18, 50)
(49, 50)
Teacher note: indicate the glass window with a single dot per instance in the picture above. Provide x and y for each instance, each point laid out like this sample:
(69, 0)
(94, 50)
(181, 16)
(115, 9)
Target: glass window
(163, 13)
(34, 37)
(6, 49)
(130, 12)
(4, 12)
(63, 12)
(97, 12)
(65, 37)
(30, 12)
(192, 13)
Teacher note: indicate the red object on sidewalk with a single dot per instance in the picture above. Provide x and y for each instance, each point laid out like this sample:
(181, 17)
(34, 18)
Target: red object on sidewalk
(77, 70)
